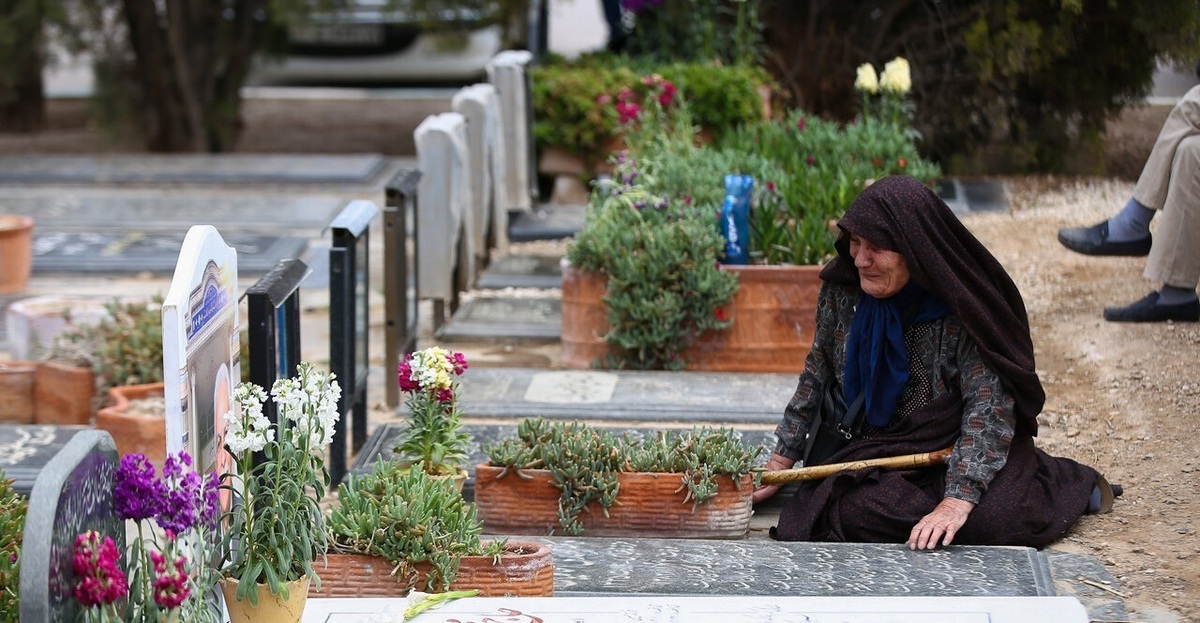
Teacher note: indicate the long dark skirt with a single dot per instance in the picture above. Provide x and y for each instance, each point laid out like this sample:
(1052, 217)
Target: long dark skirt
(1032, 501)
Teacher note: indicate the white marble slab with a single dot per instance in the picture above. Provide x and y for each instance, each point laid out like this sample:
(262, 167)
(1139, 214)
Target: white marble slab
(720, 609)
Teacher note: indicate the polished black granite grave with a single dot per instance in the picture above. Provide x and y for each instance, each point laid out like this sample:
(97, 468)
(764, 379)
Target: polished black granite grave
(522, 271)
(26, 448)
(533, 319)
(150, 251)
(194, 169)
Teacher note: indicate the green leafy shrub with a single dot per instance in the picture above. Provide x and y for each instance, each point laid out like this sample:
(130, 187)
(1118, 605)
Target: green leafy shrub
(406, 516)
(12, 527)
(123, 348)
(584, 461)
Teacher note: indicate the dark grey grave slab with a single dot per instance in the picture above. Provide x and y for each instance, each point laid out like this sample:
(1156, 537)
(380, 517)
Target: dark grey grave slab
(72, 494)
(380, 444)
(26, 449)
(586, 566)
(194, 169)
(522, 271)
(547, 221)
(72, 210)
(150, 251)
(623, 395)
(508, 319)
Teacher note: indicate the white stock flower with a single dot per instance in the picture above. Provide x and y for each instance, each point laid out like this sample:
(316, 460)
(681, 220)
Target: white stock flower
(310, 401)
(866, 81)
(896, 77)
(247, 429)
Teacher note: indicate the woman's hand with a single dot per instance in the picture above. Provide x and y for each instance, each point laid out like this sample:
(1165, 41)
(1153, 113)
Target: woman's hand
(942, 524)
(775, 463)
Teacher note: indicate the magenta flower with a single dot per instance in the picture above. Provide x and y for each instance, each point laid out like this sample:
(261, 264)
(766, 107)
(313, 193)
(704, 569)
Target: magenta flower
(811, 161)
(137, 493)
(628, 112)
(170, 581)
(100, 579)
(801, 124)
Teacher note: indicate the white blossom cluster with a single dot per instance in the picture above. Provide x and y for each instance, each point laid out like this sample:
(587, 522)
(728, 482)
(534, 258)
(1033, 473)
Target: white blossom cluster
(247, 429)
(896, 77)
(432, 368)
(310, 402)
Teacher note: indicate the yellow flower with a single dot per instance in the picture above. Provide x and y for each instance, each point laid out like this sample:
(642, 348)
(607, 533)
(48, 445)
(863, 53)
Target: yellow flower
(896, 78)
(866, 80)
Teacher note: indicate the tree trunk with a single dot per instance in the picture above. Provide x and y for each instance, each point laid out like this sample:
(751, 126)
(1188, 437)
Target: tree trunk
(191, 60)
(22, 103)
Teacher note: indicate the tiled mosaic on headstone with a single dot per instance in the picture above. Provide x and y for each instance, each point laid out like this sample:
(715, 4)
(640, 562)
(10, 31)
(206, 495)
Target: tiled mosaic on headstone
(26, 449)
(72, 494)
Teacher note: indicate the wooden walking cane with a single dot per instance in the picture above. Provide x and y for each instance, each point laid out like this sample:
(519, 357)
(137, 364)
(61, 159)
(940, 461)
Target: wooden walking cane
(817, 472)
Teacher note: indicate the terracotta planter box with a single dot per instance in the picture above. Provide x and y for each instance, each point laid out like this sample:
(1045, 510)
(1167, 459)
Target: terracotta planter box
(16, 391)
(16, 252)
(648, 505)
(63, 394)
(525, 570)
(134, 432)
(774, 318)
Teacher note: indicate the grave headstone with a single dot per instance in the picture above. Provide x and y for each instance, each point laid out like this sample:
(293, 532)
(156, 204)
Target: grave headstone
(516, 186)
(400, 273)
(72, 494)
(443, 235)
(201, 348)
(479, 106)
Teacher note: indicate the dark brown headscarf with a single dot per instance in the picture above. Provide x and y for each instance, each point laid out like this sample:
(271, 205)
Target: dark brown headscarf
(902, 214)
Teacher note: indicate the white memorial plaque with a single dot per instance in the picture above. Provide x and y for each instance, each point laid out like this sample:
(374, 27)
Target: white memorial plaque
(201, 348)
(570, 387)
(709, 609)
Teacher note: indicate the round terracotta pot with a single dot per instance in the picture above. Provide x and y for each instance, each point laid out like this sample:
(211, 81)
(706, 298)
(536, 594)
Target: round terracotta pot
(16, 252)
(144, 433)
(648, 505)
(270, 608)
(16, 391)
(526, 569)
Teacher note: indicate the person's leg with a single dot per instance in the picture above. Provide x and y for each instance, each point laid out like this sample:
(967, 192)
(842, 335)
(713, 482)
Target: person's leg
(616, 29)
(1175, 255)
(1127, 233)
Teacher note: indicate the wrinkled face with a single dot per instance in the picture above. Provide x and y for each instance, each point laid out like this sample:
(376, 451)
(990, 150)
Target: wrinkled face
(881, 273)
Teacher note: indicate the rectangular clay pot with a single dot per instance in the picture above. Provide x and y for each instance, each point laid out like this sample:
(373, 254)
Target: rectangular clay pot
(648, 505)
(63, 394)
(16, 391)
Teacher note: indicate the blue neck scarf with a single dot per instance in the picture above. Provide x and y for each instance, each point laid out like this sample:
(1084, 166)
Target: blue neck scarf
(876, 357)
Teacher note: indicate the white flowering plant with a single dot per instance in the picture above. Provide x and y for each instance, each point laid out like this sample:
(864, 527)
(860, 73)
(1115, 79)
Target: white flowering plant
(276, 528)
(885, 96)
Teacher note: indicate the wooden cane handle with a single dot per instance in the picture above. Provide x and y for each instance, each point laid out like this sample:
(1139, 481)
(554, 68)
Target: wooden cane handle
(817, 472)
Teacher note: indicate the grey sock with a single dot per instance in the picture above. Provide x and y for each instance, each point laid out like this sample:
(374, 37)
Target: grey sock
(1131, 223)
(1171, 295)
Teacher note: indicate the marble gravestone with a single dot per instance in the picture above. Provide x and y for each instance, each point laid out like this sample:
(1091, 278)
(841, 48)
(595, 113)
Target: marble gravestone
(444, 229)
(72, 494)
(515, 180)
(479, 106)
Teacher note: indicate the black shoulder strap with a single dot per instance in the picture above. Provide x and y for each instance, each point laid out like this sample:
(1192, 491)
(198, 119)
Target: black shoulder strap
(851, 421)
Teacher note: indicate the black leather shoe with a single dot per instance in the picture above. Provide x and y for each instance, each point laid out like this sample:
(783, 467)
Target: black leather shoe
(1148, 310)
(1094, 241)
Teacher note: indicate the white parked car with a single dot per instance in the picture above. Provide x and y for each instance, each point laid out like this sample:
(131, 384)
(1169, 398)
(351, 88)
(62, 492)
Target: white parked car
(368, 41)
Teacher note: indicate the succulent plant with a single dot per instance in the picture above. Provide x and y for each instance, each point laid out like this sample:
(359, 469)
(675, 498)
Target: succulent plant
(123, 348)
(12, 526)
(584, 461)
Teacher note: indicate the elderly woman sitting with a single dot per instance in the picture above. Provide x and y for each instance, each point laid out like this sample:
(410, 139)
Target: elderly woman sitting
(918, 315)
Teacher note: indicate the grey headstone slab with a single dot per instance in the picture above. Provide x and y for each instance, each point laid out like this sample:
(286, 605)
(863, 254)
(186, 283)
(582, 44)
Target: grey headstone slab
(74, 209)
(142, 251)
(656, 396)
(547, 221)
(985, 195)
(26, 448)
(497, 318)
(193, 169)
(522, 271)
(72, 494)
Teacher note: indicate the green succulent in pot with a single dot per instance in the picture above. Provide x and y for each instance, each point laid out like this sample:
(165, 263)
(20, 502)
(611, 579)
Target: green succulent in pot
(12, 526)
(433, 437)
(407, 517)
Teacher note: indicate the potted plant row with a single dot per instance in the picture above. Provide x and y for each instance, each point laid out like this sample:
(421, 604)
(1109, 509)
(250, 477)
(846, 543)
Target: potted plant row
(398, 529)
(652, 238)
(574, 479)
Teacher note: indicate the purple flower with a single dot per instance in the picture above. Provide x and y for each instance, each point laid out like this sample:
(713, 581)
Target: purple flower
(212, 499)
(182, 495)
(137, 493)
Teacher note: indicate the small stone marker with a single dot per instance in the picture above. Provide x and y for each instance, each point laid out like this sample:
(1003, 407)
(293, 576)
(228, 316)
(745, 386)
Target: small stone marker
(201, 348)
(571, 387)
(72, 494)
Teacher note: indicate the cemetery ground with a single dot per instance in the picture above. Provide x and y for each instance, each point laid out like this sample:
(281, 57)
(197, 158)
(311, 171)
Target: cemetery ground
(1123, 398)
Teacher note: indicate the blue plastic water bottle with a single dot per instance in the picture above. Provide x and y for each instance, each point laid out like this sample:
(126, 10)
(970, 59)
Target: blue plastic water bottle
(735, 218)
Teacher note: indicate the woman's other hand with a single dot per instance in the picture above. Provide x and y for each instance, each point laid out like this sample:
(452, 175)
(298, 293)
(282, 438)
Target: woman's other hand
(940, 525)
(775, 463)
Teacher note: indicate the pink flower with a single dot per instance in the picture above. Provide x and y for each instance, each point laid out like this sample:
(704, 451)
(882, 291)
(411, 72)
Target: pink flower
(801, 124)
(628, 112)
(603, 99)
(170, 582)
(771, 187)
(668, 94)
(811, 161)
(101, 581)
